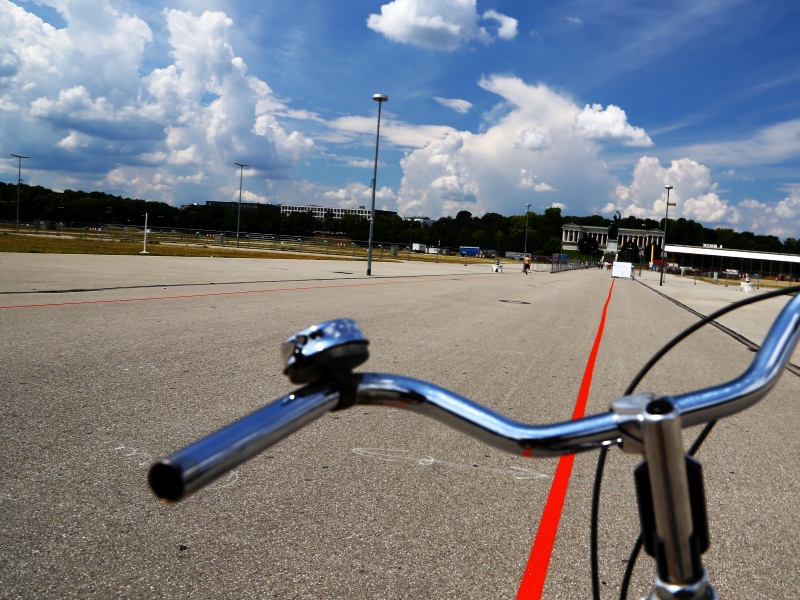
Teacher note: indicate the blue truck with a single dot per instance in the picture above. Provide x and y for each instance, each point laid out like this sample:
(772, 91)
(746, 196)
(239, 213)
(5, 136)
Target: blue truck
(469, 251)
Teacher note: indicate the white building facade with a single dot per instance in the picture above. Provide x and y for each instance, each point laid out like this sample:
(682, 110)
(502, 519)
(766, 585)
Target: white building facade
(319, 212)
(572, 233)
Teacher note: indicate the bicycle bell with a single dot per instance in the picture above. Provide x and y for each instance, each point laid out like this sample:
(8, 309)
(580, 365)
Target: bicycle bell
(330, 346)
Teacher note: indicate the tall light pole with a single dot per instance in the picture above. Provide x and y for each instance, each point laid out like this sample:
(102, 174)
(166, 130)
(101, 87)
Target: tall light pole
(19, 181)
(525, 247)
(664, 248)
(239, 214)
(380, 99)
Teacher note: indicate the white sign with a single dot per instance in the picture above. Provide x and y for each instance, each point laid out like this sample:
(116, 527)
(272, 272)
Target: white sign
(621, 269)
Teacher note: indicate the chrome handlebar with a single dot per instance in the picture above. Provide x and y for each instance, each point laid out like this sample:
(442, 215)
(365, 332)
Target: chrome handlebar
(339, 346)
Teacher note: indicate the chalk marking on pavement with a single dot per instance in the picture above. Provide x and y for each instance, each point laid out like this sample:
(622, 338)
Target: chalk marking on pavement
(427, 461)
(533, 579)
(130, 451)
(519, 473)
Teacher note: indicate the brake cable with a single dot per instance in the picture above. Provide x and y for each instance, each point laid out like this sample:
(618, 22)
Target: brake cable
(601, 459)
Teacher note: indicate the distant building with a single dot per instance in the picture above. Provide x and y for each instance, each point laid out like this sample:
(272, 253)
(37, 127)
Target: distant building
(427, 221)
(572, 233)
(319, 212)
(234, 205)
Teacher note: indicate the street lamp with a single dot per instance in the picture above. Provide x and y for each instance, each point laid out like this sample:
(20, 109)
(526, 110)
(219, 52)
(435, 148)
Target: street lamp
(380, 99)
(525, 247)
(144, 248)
(19, 181)
(664, 249)
(239, 214)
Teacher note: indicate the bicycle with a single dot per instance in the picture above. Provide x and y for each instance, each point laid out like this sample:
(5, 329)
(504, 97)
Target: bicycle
(669, 482)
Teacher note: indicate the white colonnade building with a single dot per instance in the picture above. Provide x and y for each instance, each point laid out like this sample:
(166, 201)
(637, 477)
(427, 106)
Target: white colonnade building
(571, 233)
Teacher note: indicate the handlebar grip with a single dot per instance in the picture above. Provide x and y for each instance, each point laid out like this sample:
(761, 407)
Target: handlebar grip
(181, 474)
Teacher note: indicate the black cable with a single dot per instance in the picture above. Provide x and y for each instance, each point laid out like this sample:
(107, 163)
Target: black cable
(601, 460)
(626, 579)
(704, 321)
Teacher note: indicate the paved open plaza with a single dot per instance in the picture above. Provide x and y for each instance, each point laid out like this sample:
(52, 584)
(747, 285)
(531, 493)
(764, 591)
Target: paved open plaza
(109, 362)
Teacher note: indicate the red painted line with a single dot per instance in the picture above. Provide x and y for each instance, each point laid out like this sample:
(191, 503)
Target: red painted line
(532, 584)
(185, 296)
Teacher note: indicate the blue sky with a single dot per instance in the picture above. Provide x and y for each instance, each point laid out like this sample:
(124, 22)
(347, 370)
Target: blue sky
(591, 106)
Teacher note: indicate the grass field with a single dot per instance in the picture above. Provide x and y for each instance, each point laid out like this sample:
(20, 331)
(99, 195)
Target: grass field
(168, 244)
(69, 245)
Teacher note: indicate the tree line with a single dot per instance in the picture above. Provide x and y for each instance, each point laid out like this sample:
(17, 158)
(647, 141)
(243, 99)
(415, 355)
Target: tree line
(491, 231)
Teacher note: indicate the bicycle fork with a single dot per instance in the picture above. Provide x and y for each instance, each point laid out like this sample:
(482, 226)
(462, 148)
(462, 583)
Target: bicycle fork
(670, 495)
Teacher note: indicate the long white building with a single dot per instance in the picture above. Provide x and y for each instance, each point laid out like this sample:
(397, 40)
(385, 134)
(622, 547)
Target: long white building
(319, 212)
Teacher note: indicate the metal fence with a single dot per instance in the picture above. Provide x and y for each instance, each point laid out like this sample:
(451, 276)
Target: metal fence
(320, 245)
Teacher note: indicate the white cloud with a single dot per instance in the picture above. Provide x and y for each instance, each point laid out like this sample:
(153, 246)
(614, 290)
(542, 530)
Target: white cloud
(533, 139)
(75, 139)
(770, 145)
(361, 162)
(609, 125)
(457, 105)
(358, 194)
(781, 219)
(560, 205)
(526, 182)
(437, 24)
(394, 132)
(81, 92)
(789, 207)
(575, 20)
(508, 25)
(491, 171)
(693, 193)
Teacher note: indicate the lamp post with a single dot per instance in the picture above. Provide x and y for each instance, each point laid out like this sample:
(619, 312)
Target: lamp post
(664, 248)
(641, 250)
(525, 247)
(380, 99)
(144, 248)
(239, 214)
(19, 181)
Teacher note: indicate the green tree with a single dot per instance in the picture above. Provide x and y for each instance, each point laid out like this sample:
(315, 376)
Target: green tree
(588, 245)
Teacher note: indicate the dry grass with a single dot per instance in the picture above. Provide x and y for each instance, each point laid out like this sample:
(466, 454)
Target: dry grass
(52, 244)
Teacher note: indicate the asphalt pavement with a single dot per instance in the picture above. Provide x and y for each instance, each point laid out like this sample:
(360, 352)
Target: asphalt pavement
(366, 503)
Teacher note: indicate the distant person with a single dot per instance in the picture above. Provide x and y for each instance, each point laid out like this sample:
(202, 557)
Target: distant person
(526, 266)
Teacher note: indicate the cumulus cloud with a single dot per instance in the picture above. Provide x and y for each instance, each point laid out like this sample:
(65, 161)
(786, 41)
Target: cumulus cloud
(609, 125)
(526, 182)
(438, 24)
(781, 219)
(694, 194)
(575, 20)
(533, 132)
(358, 194)
(81, 92)
(789, 207)
(457, 105)
(533, 139)
(507, 29)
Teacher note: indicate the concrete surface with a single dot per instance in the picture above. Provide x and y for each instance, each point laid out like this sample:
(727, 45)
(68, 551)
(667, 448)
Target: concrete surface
(366, 503)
